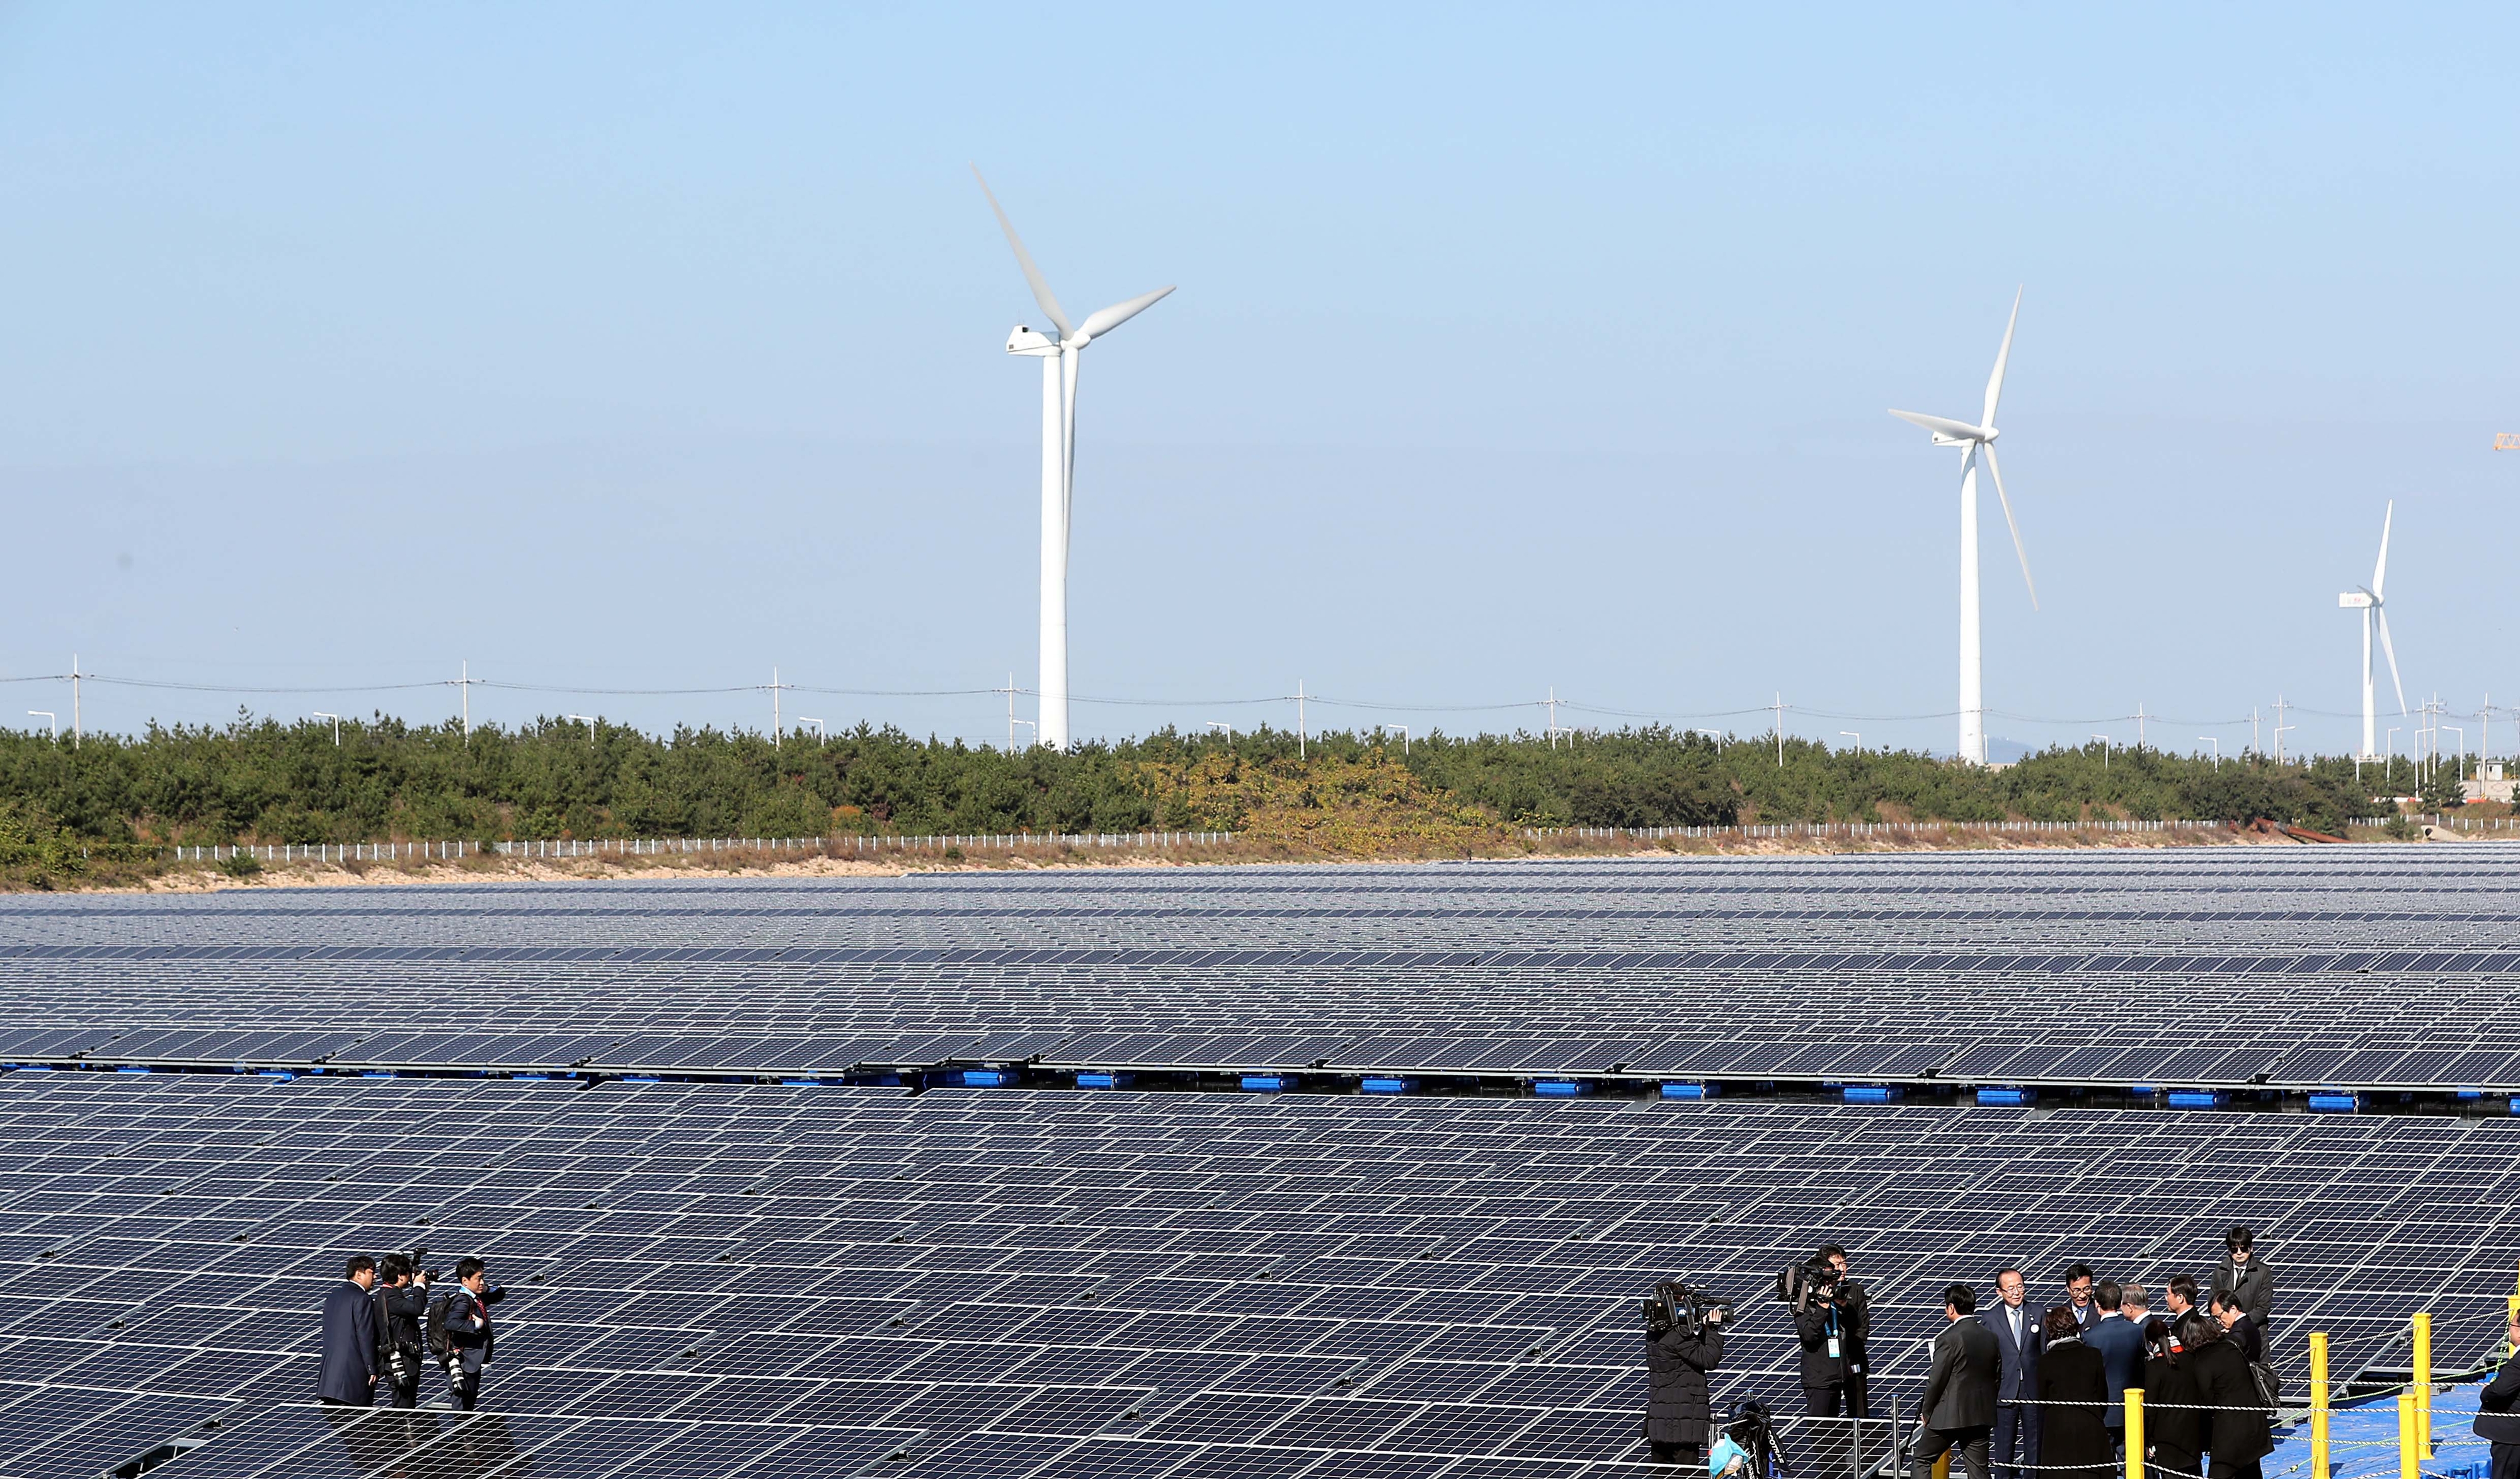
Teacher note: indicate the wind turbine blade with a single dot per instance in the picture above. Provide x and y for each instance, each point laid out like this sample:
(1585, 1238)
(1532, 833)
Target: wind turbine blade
(1995, 382)
(2391, 648)
(2381, 572)
(1958, 430)
(1040, 286)
(1103, 321)
(1992, 467)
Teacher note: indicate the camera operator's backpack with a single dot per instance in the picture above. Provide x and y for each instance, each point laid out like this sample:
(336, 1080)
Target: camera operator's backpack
(433, 1328)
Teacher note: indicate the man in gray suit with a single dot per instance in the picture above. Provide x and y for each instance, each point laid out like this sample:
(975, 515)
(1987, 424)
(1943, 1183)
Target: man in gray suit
(1957, 1409)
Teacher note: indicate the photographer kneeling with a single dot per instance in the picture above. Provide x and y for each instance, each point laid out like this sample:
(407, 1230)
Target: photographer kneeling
(1682, 1345)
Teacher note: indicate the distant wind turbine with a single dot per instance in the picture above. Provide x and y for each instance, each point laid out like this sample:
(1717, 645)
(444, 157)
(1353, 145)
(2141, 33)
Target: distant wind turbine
(1058, 363)
(1977, 441)
(2366, 600)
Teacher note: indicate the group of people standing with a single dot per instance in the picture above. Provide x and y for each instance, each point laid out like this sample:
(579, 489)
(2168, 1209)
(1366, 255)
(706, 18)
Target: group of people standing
(2010, 1389)
(382, 1326)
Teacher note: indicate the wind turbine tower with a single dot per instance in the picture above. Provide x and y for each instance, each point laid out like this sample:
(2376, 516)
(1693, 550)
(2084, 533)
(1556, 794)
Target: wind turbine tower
(1058, 358)
(1976, 440)
(2375, 612)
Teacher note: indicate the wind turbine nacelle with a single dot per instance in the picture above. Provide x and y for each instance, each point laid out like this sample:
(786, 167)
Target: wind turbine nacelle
(2356, 601)
(1032, 341)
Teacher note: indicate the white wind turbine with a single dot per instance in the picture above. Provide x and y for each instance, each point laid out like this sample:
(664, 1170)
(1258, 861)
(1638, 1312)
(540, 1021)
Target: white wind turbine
(1976, 442)
(2366, 600)
(1059, 360)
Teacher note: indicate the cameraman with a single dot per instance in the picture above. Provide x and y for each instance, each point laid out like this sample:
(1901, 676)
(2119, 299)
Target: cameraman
(402, 1303)
(1678, 1353)
(1824, 1321)
(460, 1331)
(1857, 1315)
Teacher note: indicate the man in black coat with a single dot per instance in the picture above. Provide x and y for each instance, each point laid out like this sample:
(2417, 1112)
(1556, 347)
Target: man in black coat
(1678, 1406)
(2245, 1277)
(2239, 1328)
(1956, 1408)
(2239, 1430)
(347, 1374)
(2498, 1409)
(1855, 1305)
(402, 1306)
(2015, 1441)
(1822, 1324)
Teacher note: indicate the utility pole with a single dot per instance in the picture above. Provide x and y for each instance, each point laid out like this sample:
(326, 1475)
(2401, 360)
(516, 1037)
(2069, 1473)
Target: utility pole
(74, 702)
(777, 730)
(2255, 747)
(2280, 726)
(1780, 733)
(2140, 717)
(1551, 702)
(464, 686)
(1300, 754)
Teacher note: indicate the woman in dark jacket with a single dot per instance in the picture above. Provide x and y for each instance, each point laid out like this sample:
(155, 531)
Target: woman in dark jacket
(2172, 1425)
(2238, 1429)
(1677, 1408)
(2073, 1394)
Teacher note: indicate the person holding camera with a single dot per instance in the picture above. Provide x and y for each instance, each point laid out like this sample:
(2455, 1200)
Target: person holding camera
(346, 1377)
(1681, 1348)
(459, 1332)
(1856, 1303)
(402, 1304)
(1823, 1322)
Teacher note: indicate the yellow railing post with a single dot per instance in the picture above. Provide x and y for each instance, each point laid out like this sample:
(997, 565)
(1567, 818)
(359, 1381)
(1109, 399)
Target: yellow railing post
(2319, 1407)
(2135, 1432)
(2407, 1466)
(2423, 1383)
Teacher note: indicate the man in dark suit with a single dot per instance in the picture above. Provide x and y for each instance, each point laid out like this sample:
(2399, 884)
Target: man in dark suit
(2239, 1329)
(2016, 1342)
(2078, 1297)
(2118, 1335)
(1958, 1407)
(2497, 1408)
(347, 1377)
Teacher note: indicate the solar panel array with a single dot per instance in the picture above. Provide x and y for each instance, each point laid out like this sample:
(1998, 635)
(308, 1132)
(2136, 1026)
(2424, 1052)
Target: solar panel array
(2349, 967)
(775, 1277)
(1109, 1283)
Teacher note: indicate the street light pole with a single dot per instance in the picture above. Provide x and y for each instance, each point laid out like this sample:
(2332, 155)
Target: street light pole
(337, 726)
(54, 719)
(586, 719)
(1854, 736)
(2218, 748)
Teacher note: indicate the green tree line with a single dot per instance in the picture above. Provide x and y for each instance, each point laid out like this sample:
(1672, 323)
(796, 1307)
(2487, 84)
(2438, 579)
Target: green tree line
(262, 781)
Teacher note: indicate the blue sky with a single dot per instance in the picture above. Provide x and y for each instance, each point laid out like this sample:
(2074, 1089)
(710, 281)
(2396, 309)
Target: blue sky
(648, 347)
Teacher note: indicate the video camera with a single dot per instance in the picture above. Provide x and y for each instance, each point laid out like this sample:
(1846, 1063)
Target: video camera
(1680, 1305)
(1802, 1283)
